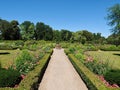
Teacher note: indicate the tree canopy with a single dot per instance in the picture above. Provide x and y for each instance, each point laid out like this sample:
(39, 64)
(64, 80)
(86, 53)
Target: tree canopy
(113, 17)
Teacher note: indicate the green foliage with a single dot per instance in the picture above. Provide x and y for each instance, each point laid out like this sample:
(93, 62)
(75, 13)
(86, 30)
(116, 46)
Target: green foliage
(0, 65)
(8, 78)
(114, 39)
(56, 36)
(28, 30)
(25, 62)
(109, 48)
(113, 77)
(43, 32)
(80, 56)
(91, 80)
(9, 30)
(97, 67)
(71, 49)
(65, 35)
(19, 43)
(91, 47)
(7, 46)
(32, 78)
(113, 17)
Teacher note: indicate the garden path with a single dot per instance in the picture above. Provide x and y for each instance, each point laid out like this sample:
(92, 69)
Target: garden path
(60, 74)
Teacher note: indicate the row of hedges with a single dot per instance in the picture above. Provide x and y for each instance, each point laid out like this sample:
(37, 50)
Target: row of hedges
(91, 80)
(110, 48)
(33, 78)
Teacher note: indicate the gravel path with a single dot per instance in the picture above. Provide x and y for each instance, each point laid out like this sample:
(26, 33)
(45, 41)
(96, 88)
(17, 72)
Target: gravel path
(60, 74)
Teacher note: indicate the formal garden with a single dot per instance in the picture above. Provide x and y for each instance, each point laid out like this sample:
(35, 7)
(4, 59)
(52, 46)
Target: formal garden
(98, 65)
(26, 48)
(22, 64)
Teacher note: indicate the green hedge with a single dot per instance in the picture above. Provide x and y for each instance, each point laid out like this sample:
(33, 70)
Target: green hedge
(91, 80)
(110, 48)
(34, 77)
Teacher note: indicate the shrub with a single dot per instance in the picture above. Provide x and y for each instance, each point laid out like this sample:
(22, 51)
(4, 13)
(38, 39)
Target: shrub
(41, 54)
(80, 56)
(109, 48)
(97, 67)
(113, 77)
(8, 78)
(71, 49)
(19, 43)
(46, 49)
(91, 80)
(5, 46)
(32, 79)
(91, 48)
(25, 62)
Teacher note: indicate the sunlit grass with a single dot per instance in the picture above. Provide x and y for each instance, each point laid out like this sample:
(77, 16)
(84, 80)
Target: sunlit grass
(112, 57)
(7, 59)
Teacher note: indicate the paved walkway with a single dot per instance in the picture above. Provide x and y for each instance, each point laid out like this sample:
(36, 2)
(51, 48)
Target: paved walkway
(60, 74)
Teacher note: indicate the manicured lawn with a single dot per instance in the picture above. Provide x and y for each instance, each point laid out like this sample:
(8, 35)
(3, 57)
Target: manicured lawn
(7, 59)
(113, 57)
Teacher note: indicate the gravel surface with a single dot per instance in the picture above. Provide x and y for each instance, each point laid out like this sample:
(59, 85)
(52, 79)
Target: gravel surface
(60, 74)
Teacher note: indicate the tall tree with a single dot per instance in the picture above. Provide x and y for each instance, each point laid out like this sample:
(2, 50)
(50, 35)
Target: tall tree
(15, 35)
(5, 29)
(40, 31)
(48, 33)
(43, 32)
(88, 35)
(66, 35)
(56, 35)
(113, 17)
(27, 30)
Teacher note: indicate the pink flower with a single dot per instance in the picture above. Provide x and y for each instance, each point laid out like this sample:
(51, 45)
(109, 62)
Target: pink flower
(115, 85)
(22, 76)
(16, 86)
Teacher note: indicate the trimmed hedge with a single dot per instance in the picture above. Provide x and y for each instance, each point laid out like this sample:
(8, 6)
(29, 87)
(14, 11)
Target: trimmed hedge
(91, 80)
(34, 77)
(110, 48)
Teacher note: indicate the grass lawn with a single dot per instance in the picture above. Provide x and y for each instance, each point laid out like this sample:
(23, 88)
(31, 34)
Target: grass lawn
(113, 57)
(7, 59)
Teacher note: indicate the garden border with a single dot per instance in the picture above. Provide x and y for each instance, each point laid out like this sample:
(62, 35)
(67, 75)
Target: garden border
(34, 77)
(91, 80)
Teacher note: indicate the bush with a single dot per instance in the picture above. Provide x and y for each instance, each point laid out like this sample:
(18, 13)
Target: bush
(113, 77)
(71, 49)
(97, 67)
(33, 78)
(110, 48)
(19, 43)
(41, 54)
(91, 48)
(80, 56)
(25, 62)
(8, 78)
(6, 46)
(91, 80)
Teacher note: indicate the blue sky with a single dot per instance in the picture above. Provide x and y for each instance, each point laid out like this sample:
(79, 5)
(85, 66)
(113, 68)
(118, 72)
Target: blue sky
(72, 15)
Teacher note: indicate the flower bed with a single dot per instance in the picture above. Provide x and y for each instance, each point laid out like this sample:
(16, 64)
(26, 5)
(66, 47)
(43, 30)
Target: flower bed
(91, 80)
(33, 78)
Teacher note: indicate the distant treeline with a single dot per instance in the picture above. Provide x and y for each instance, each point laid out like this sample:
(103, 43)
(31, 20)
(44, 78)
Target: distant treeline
(29, 31)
